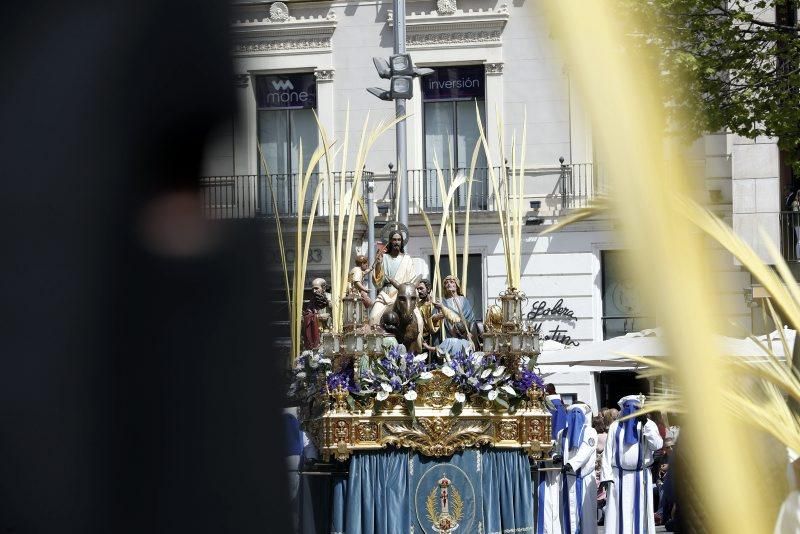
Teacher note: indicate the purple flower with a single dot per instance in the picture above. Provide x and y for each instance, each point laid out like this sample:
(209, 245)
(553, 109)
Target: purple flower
(343, 378)
(528, 379)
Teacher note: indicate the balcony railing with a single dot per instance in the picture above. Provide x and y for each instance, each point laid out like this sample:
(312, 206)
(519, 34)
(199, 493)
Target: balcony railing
(566, 185)
(426, 194)
(251, 196)
(790, 235)
(580, 183)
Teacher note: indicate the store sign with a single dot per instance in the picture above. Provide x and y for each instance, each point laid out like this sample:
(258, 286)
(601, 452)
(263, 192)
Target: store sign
(454, 83)
(542, 311)
(286, 91)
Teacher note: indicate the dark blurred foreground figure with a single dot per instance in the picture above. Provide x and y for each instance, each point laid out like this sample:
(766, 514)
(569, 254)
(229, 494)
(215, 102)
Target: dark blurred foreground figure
(138, 389)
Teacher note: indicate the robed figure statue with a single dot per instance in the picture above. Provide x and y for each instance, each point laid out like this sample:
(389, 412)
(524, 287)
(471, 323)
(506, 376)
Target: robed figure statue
(393, 268)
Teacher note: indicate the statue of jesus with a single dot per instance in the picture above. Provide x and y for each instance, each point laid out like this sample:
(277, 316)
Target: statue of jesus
(393, 267)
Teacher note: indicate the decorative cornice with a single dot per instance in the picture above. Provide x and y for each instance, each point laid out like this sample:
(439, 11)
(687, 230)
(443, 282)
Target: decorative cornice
(494, 68)
(324, 75)
(241, 80)
(268, 46)
(446, 7)
(483, 27)
(278, 12)
(293, 35)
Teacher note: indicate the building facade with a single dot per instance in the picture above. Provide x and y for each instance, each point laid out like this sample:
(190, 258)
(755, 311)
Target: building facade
(301, 63)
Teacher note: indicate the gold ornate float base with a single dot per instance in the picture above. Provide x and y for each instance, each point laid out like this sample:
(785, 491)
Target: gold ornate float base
(432, 432)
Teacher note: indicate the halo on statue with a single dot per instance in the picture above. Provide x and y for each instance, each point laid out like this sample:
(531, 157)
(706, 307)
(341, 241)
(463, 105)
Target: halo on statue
(393, 227)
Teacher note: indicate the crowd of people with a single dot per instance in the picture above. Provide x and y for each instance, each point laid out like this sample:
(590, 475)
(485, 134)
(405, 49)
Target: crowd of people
(611, 468)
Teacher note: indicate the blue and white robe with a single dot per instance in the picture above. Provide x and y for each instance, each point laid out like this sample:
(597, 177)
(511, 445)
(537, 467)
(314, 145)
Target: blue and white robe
(578, 487)
(629, 505)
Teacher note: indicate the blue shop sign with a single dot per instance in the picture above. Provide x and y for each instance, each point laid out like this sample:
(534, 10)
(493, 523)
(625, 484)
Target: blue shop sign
(466, 82)
(286, 91)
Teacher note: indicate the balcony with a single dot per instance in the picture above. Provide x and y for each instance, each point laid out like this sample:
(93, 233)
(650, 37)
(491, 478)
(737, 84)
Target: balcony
(563, 187)
(251, 196)
(790, 236)
(425, 193)
(559, 187)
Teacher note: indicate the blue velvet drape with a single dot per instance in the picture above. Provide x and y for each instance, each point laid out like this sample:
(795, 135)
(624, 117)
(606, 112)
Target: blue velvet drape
(378, 497)
(377, 493)
(507, 494)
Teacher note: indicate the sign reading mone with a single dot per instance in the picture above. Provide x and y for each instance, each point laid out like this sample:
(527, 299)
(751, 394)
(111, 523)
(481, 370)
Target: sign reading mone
(286, 91)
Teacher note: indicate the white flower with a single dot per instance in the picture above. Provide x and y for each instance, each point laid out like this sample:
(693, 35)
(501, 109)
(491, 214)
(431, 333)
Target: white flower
(382, 396)
(401, 349)
(325, 360)
(427, 375)
(509, 390)
(386, 387)
(410, 395)
(421, 358)
(499, 371)
(477, 358)
(301, 375)
(448, 371)
(486, 387)
(493, 395)
(460, 397)
(486, 373)
(472, 380)
(313, 363)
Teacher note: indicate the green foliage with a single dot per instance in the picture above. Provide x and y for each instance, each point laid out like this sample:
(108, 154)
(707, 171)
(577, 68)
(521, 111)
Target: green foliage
(731, 65)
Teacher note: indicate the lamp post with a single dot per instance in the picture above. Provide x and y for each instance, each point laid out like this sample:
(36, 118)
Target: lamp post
(399, 7)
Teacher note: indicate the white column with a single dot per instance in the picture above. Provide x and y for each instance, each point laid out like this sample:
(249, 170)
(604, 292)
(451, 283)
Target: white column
(756, 192)
(327, 116)
(245, 138)
(494, 108)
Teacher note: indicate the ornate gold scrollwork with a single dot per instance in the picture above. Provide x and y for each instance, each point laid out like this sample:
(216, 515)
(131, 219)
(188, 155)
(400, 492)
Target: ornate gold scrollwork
(438, 392)
(366, 431)
(509, 430)
(437, 436)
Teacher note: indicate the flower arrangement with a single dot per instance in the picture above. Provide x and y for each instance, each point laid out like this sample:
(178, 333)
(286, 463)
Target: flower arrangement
(398, 373)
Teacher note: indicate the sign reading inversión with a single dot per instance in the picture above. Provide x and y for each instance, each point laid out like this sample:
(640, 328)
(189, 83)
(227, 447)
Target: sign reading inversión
(454, 83)
(286, 91)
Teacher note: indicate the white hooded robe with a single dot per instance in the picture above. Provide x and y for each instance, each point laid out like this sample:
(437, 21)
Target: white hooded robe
(579, 512)
(629, 507)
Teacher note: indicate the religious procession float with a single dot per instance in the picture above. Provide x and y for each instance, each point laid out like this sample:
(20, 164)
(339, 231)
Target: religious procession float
(423, 416)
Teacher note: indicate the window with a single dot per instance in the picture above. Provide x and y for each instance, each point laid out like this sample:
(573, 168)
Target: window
(474, 278)
(286, 104)
(622, 306)
(450, 96)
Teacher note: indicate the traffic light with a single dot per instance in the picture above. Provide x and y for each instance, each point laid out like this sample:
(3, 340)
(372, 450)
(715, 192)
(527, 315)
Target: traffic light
(400, 70)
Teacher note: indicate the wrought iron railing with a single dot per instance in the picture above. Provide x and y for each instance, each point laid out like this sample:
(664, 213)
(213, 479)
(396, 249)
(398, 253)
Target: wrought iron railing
(425, 192)
(580, 183)
(790, 235)
(253, 196)
(568, 185)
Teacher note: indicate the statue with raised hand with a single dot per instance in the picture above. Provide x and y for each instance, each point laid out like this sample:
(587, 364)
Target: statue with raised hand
(393, 268)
